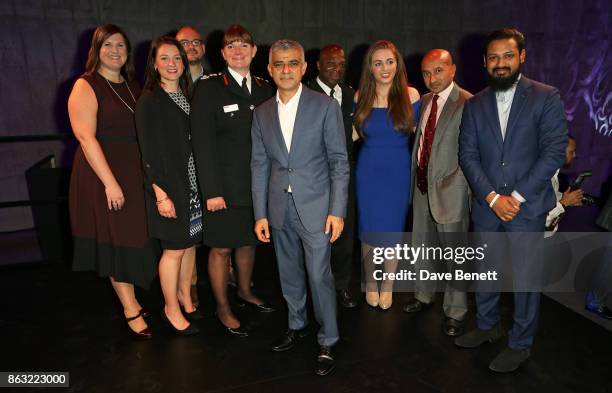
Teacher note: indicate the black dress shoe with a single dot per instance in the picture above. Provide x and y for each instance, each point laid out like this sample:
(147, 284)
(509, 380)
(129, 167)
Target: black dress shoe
(237, 332)
(261, 307)
(509, 360)
(415, 305)
(144, 334)
(477, 337)
(325, 361)
(452, 327)
(289, 338)
(601, 310)
(188, 331)
(345, 299)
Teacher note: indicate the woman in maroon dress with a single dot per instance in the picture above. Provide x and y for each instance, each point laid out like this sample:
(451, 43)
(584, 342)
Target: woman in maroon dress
(107, 208)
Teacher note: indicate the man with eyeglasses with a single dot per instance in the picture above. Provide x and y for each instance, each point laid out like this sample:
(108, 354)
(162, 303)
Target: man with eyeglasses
(191, 39)
(331, 66)
(300, 178)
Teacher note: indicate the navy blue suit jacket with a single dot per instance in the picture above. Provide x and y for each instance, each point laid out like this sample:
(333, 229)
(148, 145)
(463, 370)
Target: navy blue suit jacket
(525, 160)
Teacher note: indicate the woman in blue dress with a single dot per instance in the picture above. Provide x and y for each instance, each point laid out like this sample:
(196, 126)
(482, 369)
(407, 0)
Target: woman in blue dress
(386, 108)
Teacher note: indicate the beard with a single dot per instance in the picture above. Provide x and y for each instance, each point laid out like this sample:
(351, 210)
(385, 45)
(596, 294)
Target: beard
(502, 83)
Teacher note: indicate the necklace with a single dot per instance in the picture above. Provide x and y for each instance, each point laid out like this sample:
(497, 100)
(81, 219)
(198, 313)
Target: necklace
(118, 96)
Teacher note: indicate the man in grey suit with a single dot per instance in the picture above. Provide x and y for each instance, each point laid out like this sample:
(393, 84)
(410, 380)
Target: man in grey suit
(300, 176)
(440, 203)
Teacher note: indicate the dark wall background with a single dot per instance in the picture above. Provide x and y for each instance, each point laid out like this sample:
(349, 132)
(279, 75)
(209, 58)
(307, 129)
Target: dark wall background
(43, 46)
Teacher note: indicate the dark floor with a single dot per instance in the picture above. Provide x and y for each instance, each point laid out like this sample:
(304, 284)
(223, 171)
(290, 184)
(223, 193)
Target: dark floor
(54, 320)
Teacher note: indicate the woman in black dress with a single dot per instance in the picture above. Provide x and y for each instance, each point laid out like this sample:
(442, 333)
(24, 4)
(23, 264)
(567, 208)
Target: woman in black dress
(173, 204)
(107, 212)
(221, 124)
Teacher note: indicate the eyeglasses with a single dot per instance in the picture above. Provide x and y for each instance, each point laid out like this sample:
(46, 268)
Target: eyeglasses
(186, 43)
(293, 64)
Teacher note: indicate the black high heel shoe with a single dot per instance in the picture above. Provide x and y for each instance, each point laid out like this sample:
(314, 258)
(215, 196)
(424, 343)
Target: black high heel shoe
(239, 331)
(144, 334)
(261, 307)
(188, 331)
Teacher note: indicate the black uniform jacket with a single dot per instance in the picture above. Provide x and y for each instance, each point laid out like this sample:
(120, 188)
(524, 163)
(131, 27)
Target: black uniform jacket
(163, 135)
(221, 115)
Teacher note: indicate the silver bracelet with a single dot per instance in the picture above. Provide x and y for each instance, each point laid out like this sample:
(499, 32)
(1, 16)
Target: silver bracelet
(493, 201)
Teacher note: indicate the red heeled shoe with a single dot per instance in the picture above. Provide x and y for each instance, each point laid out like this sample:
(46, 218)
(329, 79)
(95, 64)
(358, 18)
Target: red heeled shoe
(144, 334)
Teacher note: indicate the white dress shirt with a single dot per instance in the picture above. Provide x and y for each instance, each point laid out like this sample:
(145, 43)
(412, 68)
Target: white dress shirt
(442, 98)
(327, 90)
(238, 78)
(504, 104)
(286, 117)
(552, 219)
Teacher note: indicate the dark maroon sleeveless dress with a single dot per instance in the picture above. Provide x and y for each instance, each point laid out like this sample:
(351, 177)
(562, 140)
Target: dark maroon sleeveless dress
(113, 243)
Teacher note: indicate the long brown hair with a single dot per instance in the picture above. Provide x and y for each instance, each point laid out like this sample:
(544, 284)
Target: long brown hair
(152, 78)
(399, 107)
(93, 57)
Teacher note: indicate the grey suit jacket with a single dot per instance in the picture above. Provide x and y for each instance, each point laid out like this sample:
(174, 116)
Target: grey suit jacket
(317, 167)
(447, 188)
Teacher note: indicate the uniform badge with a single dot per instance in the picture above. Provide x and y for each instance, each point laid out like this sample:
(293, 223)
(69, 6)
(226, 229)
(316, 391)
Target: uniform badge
(230, 108)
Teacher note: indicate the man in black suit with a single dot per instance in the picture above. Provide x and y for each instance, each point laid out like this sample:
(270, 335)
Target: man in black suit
(331, 65)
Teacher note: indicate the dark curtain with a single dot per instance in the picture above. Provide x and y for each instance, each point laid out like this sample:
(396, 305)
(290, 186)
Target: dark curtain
(43, 48)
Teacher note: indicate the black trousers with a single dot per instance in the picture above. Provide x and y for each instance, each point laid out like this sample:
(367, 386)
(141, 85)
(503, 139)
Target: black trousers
(342, 249)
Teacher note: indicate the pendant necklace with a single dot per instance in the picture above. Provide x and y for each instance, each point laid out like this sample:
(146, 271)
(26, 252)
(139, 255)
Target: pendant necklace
(118, 96)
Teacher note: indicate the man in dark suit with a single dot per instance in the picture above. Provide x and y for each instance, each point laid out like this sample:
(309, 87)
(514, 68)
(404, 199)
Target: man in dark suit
(331, 65)
(439, 191)
(300, 176)
(512, 141)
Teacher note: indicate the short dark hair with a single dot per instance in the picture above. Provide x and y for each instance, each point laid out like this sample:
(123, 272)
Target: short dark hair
(504, 34)
(152, 76)
(237, 33)
(330, 47)
(93, 57)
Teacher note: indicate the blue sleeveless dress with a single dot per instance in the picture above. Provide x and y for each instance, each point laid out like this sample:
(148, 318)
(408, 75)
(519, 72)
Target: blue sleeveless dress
(382, 175)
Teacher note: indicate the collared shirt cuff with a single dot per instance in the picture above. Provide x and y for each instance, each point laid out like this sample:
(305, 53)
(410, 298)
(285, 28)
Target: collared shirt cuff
(518, 196)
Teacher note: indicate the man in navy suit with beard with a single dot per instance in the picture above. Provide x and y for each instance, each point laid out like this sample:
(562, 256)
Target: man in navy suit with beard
(512, 141)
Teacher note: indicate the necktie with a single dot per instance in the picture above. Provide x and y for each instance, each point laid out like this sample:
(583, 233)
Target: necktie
(245, 87)
(428, 136)
(331, 93)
